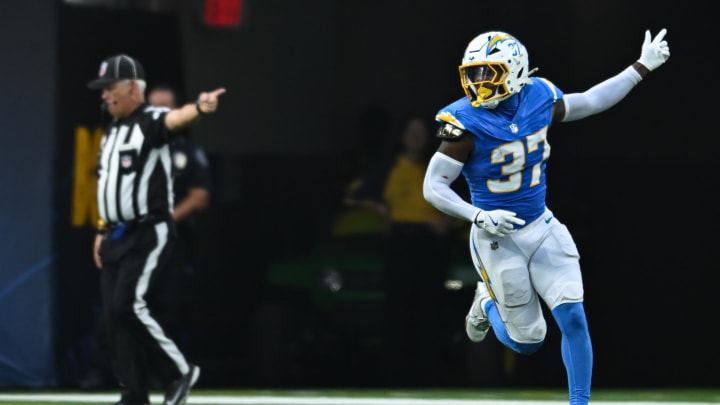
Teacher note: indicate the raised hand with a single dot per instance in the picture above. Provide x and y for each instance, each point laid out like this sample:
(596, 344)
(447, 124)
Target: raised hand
(655, 51)
(207, 102)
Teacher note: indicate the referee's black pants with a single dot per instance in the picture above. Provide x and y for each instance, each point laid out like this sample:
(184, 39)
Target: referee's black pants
(138, 343)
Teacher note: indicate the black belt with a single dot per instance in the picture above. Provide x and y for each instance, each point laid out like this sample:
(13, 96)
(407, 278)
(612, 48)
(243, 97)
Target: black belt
(145, 219)
(117, 229)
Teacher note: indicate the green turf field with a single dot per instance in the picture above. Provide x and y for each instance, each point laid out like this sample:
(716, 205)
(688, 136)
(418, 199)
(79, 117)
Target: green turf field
(379, 397)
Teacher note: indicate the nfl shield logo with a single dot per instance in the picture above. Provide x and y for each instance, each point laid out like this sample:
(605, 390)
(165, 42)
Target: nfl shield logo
(103, 69)
(126, 161)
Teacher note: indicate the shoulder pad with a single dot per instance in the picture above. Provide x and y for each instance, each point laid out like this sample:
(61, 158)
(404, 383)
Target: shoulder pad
(551, 86)
(449, 132)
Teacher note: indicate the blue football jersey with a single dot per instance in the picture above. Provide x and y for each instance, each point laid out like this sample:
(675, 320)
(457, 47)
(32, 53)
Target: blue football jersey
(507, 168)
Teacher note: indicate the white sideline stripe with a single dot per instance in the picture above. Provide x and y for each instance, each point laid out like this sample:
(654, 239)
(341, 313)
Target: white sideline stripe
(267, 400)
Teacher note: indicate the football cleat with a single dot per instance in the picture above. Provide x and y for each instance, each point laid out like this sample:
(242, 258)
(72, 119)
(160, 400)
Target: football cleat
(476, 321)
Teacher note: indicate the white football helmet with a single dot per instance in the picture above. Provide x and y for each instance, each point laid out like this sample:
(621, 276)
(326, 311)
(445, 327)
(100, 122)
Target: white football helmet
(494, 67)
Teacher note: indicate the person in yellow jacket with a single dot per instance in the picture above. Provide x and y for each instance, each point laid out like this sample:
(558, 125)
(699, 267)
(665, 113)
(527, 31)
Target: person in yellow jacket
(415, 252)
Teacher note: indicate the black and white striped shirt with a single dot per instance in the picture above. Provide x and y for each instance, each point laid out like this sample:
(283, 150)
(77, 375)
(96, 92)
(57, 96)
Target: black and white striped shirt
(135, 168)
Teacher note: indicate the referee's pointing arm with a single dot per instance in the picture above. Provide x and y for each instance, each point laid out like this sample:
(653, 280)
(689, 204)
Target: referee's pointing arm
(207, 103)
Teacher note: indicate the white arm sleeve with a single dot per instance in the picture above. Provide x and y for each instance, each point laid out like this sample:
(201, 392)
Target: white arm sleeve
(441, 173)
(601, 96)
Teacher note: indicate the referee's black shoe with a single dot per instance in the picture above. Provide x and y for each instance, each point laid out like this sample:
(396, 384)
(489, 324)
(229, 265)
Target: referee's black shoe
(178, 391)
(129, 399)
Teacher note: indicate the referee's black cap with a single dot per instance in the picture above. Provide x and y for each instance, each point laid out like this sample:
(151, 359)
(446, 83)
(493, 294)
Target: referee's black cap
(118, 67)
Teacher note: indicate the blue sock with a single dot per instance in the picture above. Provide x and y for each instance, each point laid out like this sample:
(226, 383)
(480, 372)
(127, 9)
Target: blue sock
(576, 350)
(498, 326)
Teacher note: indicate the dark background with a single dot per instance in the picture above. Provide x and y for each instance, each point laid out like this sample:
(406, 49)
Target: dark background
(635, 184)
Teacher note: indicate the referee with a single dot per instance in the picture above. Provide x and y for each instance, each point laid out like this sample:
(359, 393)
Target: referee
(136, 230)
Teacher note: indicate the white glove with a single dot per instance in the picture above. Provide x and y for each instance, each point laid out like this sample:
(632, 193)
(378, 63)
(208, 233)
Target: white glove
(498, 222)
(654, 52)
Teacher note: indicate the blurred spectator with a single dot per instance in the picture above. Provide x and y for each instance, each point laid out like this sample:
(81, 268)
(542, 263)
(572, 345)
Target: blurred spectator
(416, 255)
(366, 148)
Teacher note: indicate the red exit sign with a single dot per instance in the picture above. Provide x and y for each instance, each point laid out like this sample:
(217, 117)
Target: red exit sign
(223, 13)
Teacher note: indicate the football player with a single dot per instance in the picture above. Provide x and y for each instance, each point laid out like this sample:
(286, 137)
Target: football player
(497, 138)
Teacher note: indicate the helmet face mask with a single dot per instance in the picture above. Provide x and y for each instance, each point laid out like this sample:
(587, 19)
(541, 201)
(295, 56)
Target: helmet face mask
(494, 67)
